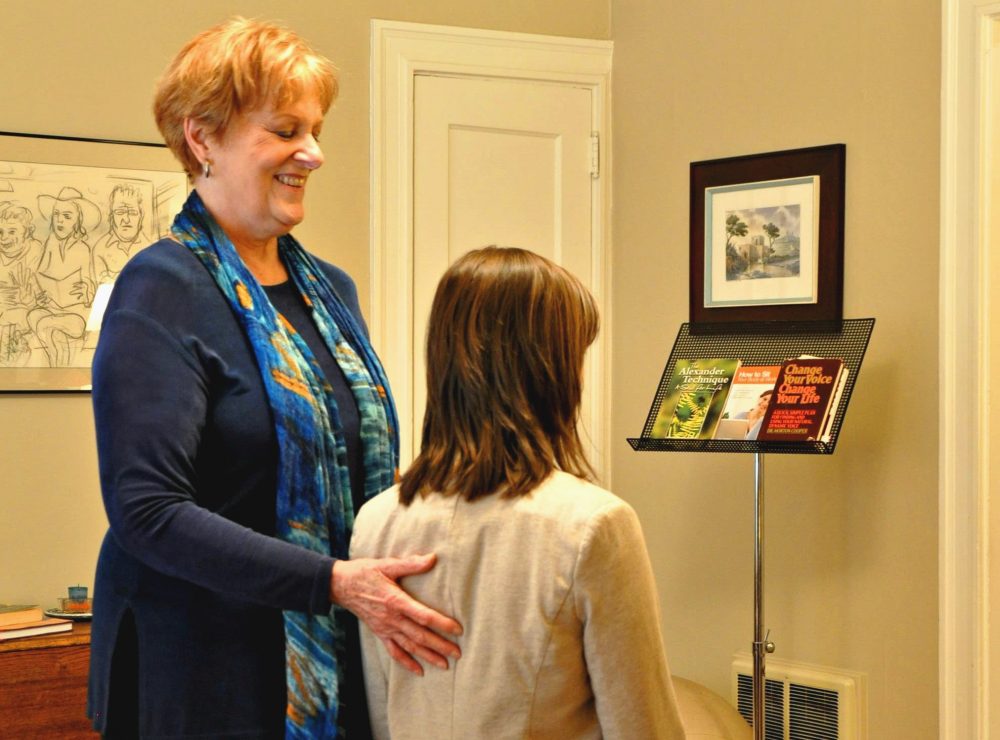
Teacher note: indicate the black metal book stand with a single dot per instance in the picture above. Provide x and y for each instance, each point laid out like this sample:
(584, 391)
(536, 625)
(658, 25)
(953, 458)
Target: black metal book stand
(761, 344)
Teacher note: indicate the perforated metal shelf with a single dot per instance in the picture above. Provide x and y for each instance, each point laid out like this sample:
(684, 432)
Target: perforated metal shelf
(762, 344)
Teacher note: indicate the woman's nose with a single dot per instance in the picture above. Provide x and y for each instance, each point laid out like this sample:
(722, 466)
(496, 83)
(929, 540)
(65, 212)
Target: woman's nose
(310, 155)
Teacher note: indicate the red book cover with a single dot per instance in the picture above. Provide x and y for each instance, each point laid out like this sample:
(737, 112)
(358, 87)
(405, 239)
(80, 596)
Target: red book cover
(802, 400)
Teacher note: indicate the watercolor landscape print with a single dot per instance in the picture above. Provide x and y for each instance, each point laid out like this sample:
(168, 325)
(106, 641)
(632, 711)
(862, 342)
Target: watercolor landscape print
(761, 243)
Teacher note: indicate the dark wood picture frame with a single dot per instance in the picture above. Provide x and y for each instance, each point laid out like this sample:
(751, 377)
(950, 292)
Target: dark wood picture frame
(800, 172)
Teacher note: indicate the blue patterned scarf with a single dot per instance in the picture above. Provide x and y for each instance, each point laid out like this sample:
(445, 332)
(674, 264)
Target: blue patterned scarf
(314, 508)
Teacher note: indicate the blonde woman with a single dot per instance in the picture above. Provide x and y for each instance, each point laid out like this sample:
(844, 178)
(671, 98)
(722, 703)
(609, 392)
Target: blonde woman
(242, 416)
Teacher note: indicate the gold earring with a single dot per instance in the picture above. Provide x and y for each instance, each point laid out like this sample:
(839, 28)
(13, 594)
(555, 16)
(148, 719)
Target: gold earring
(206, 168)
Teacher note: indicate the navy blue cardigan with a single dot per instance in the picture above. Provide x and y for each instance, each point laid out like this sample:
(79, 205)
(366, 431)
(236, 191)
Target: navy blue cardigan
(188, 460)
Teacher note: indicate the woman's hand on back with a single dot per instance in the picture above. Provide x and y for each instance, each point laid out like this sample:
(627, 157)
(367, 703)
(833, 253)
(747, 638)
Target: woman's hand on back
(367, 587)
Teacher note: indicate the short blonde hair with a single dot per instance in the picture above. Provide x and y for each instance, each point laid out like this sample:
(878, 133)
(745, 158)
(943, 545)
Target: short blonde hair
(236, 67)
(506, 340)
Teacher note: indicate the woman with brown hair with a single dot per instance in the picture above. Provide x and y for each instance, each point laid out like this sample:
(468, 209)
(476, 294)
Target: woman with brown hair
(547, 572)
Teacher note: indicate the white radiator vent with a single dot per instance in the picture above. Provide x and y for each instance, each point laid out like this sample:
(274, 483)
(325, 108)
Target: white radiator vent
(803, 701)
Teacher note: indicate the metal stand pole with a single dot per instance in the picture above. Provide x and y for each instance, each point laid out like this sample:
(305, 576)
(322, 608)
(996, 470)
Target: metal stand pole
(758, 598)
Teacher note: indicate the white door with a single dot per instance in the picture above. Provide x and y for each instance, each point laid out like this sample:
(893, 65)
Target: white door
(504, 162)
(484, 137)
(991, 246)
(969, 528)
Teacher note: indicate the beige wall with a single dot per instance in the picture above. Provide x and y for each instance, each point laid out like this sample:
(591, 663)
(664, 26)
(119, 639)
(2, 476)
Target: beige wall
(851, 561)
(71, 69)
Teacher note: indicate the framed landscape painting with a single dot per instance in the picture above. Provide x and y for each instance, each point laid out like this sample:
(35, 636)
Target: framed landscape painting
(767, 238)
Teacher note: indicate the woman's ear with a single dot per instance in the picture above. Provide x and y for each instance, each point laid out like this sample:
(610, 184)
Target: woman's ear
(198, 139)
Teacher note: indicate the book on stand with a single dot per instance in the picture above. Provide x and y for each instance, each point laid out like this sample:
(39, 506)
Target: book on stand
(14, 613)
(749, 395)
(804, 401)
(831, 411)
(693, 399)
(44, 626)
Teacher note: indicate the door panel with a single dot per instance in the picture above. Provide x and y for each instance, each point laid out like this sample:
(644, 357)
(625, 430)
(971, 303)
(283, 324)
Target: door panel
(498, 161)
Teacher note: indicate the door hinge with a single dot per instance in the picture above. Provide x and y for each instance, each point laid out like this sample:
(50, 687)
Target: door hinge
(595, 155)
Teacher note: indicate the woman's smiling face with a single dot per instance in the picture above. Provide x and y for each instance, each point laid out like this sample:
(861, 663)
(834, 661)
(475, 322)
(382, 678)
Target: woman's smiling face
(259, 168)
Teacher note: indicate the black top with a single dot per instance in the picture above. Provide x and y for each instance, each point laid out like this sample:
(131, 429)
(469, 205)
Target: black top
(287, 299)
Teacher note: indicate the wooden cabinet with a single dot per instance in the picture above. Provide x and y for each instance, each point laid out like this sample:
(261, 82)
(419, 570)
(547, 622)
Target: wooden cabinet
(43, 686)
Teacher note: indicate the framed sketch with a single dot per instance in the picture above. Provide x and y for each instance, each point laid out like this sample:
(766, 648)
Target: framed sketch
(767, 238)
(72, 212)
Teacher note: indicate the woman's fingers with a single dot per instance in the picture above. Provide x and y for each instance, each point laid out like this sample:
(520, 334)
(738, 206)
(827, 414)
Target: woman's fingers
(436, 659)
(430, 646)
(396, 568)
(402, 657)
(367, 587)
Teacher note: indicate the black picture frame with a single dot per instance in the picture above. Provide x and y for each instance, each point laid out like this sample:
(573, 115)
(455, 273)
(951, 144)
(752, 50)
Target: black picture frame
(804, 189)
(37, 169)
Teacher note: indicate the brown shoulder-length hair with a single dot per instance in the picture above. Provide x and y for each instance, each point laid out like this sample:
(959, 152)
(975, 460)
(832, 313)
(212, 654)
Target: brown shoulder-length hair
(507, 335)
(236, 67)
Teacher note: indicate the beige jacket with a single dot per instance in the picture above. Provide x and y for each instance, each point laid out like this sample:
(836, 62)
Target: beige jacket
(556, 596)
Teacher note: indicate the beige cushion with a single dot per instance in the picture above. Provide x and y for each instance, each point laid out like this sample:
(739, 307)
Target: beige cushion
(706, 715)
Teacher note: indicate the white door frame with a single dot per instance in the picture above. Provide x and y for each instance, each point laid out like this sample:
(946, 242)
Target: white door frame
(964, 368)
(399, 52)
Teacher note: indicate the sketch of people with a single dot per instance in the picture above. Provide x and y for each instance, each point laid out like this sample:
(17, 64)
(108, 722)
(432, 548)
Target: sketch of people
(19, 249)
(65, 275)
(65, 270)
(20, 254)
(125, 235)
